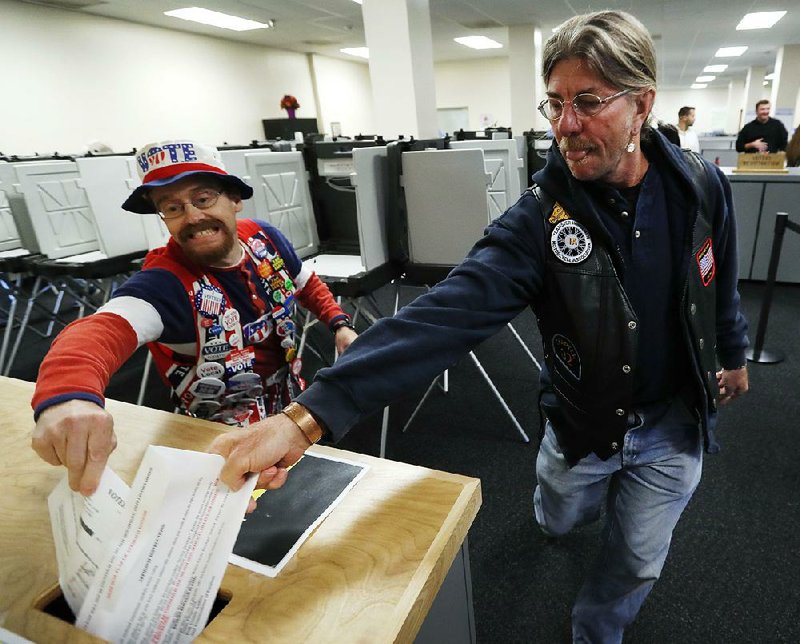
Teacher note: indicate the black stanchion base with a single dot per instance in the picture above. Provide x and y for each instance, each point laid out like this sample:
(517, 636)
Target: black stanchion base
(764, 356)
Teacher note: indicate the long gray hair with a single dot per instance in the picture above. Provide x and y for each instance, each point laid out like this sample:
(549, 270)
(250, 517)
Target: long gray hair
(615, 45)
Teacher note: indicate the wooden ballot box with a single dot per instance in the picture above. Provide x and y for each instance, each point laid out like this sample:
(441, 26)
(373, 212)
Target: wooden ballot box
(370, 572)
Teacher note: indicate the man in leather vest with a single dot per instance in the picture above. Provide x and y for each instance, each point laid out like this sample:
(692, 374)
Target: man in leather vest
(214, 307)
(625, 248)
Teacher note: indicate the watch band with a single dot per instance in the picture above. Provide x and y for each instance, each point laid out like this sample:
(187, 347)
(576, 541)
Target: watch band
(342, 322)
(304, 420)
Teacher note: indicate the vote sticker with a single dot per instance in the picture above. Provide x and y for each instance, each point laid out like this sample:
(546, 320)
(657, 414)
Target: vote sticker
(216, 349)
(296, 366)
(243, 381)
(208, 387)
(209, 301)
(210, 370)
(264, 269)
(258, 247)
(230, 319)
(257, 331)
(239, 360)
(203, 408)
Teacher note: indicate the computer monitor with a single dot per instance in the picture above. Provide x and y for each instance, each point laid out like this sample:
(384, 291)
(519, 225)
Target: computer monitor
(285, 128)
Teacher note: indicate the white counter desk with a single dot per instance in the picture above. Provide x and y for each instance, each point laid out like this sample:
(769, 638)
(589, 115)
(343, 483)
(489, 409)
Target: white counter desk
(757, 198)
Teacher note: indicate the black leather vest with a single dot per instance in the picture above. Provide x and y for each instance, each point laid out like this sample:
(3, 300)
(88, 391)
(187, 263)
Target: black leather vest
(589, 328)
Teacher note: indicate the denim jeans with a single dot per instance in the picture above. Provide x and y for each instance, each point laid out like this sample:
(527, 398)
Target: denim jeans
(645, 489)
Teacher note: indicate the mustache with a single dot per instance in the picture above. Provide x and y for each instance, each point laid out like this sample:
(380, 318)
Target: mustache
(574, 144)
(187, 232)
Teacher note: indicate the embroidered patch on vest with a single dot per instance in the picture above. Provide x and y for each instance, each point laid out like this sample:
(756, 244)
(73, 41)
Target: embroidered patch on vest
(706, 263)
(558, 214)
(567, 354)
(570, 242)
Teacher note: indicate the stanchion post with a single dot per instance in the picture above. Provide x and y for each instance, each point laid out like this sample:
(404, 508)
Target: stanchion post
(758, 353)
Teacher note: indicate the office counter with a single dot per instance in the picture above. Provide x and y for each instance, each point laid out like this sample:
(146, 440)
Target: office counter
(757, 198)
(369, 573)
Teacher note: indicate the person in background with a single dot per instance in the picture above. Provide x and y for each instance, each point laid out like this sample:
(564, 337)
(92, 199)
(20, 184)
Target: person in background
(793, 150)
(689, 140)
(625, 248)
(214, 307)
(763, 133)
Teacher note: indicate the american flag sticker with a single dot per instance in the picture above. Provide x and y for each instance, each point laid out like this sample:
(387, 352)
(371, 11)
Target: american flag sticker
(706, 263)
(209, 301)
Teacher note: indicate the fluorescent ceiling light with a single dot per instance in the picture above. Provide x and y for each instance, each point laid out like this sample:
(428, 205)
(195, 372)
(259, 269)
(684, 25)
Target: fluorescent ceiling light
(714, 69)
(361, 52)
(478, 42)
(359, 1)
(729, 52)
(760, 20)
(217, 19)
(704, 79)
(770, 76)
(699, 85)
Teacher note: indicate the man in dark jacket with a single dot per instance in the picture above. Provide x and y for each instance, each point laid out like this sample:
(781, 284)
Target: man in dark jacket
(763, 133)
(626, 250)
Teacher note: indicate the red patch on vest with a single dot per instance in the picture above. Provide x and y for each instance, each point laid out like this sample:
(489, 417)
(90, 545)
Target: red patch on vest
(706, 263)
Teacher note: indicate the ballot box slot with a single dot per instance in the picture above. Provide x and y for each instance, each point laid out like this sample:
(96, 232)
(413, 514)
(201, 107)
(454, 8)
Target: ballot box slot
(53, 603)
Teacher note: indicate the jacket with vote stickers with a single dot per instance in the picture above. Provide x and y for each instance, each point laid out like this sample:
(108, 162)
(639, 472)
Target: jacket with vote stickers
(553, 251)
(222, 339)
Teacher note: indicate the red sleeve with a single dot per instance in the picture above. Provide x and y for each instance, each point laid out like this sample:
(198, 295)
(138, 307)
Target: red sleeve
(83, 358)
(317, 298)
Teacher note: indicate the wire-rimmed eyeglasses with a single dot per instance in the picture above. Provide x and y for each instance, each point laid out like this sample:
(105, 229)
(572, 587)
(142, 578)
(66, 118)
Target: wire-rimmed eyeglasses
(202, 200)
(583, 104)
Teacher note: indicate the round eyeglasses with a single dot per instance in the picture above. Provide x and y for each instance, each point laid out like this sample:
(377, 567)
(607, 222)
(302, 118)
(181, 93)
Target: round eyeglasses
(583, 104)
(202, 200)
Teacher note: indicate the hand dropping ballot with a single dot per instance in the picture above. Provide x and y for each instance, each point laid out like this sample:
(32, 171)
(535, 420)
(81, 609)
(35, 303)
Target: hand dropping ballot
(146, 564)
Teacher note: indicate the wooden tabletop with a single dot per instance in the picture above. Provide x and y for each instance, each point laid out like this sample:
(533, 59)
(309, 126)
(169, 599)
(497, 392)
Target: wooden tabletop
(369, 572)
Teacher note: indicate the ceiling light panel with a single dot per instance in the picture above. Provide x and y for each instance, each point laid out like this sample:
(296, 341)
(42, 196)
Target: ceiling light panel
(361, 52)
(478, 42)
(216, 19)
(729, 52)
(760, 20)
(715, 69)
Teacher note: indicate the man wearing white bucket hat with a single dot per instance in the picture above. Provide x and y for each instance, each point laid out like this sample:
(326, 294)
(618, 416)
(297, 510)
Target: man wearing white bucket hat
(214, 307)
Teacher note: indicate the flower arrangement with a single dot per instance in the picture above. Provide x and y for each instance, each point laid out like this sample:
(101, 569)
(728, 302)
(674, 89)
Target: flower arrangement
(289, 102)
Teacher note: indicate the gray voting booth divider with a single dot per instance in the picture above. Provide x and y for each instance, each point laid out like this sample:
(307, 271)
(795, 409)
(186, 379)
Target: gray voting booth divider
(440, 226)
(503, 164)
(69, 212)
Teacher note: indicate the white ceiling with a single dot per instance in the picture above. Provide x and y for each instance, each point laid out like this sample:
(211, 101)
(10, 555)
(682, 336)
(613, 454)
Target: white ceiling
(687, 33)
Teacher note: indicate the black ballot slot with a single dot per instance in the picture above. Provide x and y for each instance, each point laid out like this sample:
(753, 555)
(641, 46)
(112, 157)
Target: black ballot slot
(53, 603)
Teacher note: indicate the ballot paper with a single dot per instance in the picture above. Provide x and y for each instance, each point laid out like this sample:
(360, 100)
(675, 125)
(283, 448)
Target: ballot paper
(82, 529)
(166, 552)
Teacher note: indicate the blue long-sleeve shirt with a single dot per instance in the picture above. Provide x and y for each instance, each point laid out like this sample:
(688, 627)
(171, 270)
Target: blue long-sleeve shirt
(501, 275)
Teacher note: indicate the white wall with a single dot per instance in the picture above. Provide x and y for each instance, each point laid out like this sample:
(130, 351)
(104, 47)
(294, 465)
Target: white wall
(345, 95)
(711, 107)
(69, 79)
(482, 85)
